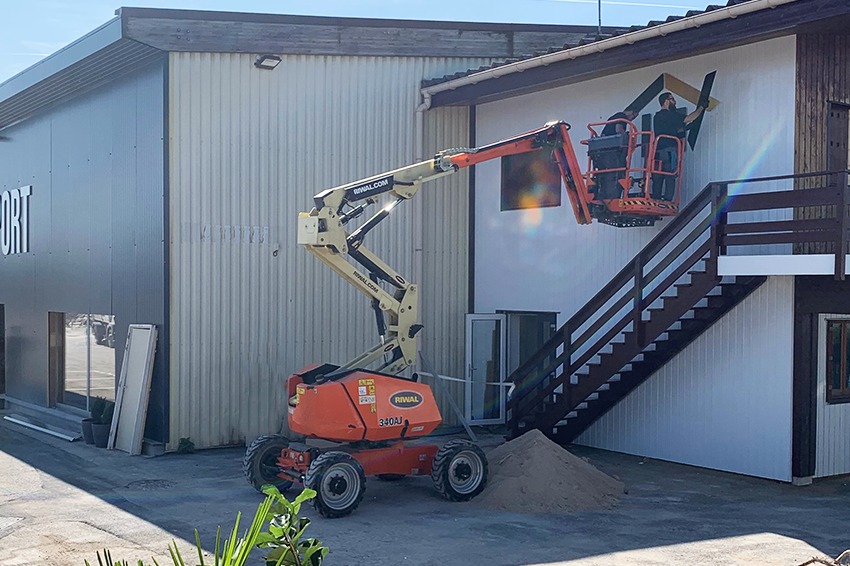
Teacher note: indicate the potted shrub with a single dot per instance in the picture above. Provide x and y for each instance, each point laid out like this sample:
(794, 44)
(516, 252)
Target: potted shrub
(98, 404)
(88, 436)
(101, 421)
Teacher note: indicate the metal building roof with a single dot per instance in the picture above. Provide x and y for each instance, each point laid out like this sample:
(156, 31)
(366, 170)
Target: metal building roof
(772, 18)
(138, 35)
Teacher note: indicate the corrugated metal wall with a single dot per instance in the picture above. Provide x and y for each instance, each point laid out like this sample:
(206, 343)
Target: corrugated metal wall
(249, 148)
(724, 402)
(833, 420)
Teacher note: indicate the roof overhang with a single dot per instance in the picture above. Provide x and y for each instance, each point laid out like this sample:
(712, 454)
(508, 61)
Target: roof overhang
(137, 36)
(233, 32)
(683, 38)
(98, 57)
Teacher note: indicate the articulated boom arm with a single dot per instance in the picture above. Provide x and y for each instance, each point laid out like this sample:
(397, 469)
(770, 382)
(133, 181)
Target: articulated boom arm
(323, 232)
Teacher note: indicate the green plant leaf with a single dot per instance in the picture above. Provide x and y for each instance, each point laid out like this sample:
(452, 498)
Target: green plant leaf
(219, 546)
(306, 495)
(173, 556)
(200, 548)
(315, 553)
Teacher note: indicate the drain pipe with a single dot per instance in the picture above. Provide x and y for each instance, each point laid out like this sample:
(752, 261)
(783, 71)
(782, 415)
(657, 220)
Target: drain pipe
(419, 133)
(417, 208)
(727, 13)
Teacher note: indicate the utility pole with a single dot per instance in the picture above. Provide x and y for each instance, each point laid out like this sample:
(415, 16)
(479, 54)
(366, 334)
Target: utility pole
(599, 25)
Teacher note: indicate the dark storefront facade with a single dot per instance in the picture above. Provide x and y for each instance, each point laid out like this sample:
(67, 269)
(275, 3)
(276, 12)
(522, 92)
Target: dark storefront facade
(83, 239)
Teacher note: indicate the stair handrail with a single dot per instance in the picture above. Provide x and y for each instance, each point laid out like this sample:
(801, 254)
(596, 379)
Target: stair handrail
(606, 293)
(715, 194)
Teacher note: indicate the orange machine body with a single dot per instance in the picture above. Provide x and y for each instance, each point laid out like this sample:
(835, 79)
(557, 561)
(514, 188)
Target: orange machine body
(360, 405)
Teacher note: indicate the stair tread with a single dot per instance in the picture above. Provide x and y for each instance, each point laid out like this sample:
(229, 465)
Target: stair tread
(602, 384)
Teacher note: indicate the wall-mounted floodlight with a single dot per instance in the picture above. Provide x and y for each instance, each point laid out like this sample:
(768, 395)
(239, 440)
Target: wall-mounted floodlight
(267, 62)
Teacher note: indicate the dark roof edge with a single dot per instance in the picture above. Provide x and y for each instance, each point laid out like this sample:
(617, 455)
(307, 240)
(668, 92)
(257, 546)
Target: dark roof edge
(204, 15)
(91, 43)
(756, 20)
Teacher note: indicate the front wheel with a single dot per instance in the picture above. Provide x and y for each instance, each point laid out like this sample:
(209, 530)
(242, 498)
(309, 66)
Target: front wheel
(460, 470)
(339, 483)
(260, 462)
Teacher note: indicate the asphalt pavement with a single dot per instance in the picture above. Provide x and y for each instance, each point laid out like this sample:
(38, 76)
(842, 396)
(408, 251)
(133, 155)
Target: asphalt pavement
(61, 501)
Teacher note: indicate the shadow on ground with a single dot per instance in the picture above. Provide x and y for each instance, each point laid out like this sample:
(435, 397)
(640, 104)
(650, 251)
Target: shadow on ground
(63, 499)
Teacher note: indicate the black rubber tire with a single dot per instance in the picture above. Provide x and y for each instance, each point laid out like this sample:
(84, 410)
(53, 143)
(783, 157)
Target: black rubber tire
(99, 332)
(260, 462)
(336, 470)
(459, 470)
(391, 477)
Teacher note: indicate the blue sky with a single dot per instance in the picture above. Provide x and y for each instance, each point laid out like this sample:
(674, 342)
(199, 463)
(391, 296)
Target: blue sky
(33, 29)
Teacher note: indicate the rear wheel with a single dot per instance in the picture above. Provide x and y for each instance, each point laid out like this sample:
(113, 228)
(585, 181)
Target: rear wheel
(260, 462)
(460, 470)
(339, 482)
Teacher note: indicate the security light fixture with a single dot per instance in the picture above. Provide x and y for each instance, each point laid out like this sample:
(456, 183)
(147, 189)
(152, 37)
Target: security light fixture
(268, 62)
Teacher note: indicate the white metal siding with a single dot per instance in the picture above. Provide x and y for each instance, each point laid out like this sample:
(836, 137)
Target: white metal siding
(725, 402)
(833, 421)
(540, 259)
(249, 148)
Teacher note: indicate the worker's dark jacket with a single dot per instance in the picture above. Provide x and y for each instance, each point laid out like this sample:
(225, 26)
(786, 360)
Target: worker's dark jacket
(668, 123)
(611, 129)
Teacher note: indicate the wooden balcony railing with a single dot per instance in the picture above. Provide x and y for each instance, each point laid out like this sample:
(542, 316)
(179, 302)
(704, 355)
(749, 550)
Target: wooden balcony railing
(716, 222)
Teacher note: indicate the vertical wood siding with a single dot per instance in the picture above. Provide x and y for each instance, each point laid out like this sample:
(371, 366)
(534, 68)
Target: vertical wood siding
(822, 77)
(832, 452)
(249, 149)
(724, 402)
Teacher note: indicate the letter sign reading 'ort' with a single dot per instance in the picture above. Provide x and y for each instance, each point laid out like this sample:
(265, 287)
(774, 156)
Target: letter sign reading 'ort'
(15, 220)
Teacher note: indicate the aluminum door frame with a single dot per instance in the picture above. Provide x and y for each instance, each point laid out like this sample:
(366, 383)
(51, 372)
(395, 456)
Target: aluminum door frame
(470, 321)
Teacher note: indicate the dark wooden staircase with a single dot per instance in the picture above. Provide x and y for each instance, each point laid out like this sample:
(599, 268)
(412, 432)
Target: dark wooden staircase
(663, 300)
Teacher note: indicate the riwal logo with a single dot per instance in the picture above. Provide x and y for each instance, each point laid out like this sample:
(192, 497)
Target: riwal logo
(406, 399)
(14, 220)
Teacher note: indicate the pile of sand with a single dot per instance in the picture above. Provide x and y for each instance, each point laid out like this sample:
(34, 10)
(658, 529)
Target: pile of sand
(532, 474)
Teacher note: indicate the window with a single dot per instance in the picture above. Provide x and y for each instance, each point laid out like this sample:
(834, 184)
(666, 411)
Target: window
(530, 180)
(837, 360)
(2, 349)
(82, 357)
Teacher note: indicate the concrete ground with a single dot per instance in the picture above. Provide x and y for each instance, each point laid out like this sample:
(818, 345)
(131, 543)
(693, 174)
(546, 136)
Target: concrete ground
(60, 502)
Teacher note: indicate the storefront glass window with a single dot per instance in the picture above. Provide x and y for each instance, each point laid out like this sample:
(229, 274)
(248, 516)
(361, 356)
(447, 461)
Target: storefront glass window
(88, 354)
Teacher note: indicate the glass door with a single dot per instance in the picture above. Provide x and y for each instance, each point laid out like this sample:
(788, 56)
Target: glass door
(485, 368)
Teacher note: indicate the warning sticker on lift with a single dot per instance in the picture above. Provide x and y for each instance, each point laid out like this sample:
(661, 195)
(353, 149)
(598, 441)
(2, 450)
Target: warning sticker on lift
(366, 393)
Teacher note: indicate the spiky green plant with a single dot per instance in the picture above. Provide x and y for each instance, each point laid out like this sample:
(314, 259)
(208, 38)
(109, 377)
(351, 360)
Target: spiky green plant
(285, 531)
(283, 536)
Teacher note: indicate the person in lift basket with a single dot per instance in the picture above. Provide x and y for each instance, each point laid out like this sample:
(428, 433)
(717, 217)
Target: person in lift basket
(669, 122)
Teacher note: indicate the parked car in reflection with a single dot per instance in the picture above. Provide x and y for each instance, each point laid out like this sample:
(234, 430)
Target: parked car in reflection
(103, 329)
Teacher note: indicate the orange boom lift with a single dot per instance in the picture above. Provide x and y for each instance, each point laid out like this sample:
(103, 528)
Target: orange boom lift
(374, 413)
